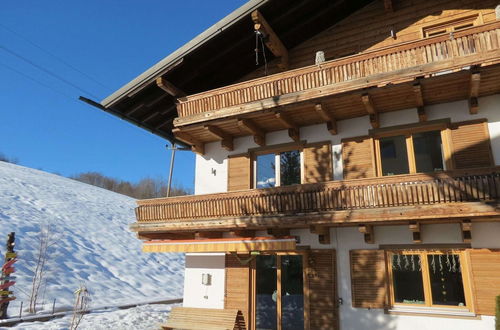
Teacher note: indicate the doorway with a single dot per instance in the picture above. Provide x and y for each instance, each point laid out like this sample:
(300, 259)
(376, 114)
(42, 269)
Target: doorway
(279, 301)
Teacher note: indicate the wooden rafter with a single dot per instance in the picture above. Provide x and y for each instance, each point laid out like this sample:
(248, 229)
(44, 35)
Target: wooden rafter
(134, 109)
(169, 87)
(419, 99)
(293, 129)
(196, 146)
(388, 6)
(475, 80)
(372, 111)
(323, 233)
(415, 231)
(272, 40)
(466, 226)
(367, 231)
(259, 135)
(226, 140)
(331, 123)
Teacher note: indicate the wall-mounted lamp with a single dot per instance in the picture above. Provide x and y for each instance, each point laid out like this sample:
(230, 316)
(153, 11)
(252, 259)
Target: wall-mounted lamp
(206, 279)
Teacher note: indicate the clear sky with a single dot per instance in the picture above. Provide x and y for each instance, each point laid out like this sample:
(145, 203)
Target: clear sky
(43, 124)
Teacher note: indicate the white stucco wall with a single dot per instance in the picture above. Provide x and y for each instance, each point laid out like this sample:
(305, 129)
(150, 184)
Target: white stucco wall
(485, 235)
(195, 293)
(215, 157)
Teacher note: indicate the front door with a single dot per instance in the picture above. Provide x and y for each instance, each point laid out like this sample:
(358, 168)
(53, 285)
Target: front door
(279, 292)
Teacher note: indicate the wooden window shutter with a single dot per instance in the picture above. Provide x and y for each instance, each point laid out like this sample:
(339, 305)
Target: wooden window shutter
(237, 290)
(323, 312)
(239, 172)
(368, 279)
(485, 269)
(471, 144)
(357, 157)
(318, 164)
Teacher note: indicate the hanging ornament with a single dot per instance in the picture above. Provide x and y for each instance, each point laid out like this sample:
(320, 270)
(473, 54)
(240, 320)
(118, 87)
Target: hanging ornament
(448, 262)
(440, 263)
(407, 262)
(433, 264)
(399, 262)
(413, 262)
(454, 266)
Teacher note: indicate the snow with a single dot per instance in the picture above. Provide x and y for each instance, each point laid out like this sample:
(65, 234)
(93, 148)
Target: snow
(94, 245)
(137, 318)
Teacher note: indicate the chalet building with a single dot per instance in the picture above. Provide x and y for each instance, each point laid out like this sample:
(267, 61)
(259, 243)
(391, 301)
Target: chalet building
(348, 180)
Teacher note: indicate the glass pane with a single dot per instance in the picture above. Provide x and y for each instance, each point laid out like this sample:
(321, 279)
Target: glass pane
(292, 294)
(407, 279)
(266, 279)
(266, 171)
(290, 168)
(446, 280)
(394, 155)
(428, 151)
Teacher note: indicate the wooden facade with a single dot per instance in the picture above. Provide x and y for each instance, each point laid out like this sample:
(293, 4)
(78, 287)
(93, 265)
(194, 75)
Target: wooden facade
(385, 57)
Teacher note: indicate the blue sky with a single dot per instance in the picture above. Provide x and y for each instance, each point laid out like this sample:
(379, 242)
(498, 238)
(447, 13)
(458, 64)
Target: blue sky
(111, 41)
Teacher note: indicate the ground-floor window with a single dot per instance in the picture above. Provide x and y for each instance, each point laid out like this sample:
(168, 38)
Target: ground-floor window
(428, 278)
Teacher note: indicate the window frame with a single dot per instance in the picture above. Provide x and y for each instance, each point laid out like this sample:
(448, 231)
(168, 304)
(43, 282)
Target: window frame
(408, 131)
(277, 160)
(448, 26)
(426, 281)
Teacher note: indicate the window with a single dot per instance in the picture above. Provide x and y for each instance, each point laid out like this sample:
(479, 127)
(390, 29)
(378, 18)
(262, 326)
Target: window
(428, 278)
(278, 169)
(451, 26)
(419, 151)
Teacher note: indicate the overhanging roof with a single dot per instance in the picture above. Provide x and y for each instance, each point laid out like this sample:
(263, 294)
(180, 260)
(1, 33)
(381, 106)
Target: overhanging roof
(221, 55)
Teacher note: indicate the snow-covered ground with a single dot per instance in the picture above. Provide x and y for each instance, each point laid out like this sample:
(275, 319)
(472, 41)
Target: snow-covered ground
(93, 243)
(145, 317)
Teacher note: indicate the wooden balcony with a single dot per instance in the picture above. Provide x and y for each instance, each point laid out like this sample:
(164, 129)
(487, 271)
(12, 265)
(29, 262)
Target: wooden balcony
(443, 195)
(388, 66)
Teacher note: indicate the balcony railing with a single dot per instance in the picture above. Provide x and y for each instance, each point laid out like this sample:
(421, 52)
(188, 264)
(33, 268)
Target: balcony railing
(395, 191)
(472, 41)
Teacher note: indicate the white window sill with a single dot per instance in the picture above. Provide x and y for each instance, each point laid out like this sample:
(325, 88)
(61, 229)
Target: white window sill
(432, 310)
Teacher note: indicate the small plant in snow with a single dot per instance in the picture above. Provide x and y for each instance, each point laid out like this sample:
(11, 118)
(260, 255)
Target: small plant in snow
(82, 300)
(46, 239)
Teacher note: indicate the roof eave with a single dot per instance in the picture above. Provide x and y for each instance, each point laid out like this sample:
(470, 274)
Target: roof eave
(176, 57)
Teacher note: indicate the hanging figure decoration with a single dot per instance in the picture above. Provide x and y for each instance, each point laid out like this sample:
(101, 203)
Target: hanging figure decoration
(6, 278)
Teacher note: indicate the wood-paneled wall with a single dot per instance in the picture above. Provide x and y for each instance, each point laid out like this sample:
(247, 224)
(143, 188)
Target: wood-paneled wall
(370, 28)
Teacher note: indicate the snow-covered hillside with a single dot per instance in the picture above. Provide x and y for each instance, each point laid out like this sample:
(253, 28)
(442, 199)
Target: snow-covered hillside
(93, 246)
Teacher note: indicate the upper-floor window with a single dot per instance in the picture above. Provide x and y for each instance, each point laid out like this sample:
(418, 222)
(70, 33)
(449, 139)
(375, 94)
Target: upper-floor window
(278, 169)
(451, 26)
(411, 153)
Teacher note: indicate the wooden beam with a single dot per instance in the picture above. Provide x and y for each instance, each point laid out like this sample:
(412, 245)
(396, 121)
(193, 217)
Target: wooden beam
(475, 80)
(169, 87)
(419, 97)
(388, 6)
(415, 231)
(196, 146)
(226, 139)
(323, 233)
(422, 115)
(259, 136)
(367, 231)
(271, 39)
(466, 226)
(173, 236)
(208, 234)
(134, 109)
(331, 123)
(278, 232)
(372, 111)
(293, 129)
(242, 233)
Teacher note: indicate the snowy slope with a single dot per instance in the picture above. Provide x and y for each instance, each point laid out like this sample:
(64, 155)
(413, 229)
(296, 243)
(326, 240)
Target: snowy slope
(94, 245)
